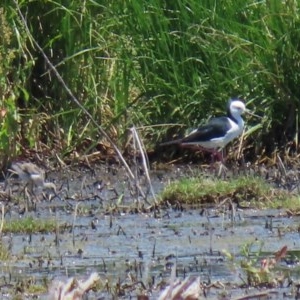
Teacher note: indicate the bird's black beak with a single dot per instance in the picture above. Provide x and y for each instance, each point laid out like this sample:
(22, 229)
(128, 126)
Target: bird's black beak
(249, 112)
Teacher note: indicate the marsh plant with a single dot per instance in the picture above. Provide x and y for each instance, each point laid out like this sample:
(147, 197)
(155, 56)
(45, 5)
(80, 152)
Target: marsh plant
(258, 270)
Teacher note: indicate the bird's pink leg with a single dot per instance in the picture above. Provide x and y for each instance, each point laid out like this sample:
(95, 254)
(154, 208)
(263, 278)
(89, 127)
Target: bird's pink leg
(219, 155)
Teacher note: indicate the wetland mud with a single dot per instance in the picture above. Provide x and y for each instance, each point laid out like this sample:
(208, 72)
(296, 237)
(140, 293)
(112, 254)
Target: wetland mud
(104, 226)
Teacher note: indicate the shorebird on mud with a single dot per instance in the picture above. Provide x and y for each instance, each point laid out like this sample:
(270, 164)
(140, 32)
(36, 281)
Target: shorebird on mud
(33, 177)
(217, 133)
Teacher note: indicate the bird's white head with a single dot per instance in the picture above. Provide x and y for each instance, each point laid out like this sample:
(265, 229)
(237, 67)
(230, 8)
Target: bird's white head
(236, 107)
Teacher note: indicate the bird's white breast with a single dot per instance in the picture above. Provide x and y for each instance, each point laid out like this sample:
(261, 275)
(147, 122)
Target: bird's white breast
(235, 131)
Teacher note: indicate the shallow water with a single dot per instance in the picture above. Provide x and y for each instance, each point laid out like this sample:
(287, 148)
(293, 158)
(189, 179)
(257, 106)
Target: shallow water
(144, 245)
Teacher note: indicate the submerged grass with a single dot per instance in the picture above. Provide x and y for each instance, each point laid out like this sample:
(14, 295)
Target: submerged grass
(4, 252)
(244, 190)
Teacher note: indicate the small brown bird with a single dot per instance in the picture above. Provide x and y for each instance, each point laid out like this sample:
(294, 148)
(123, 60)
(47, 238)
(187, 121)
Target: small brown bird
(32, 175)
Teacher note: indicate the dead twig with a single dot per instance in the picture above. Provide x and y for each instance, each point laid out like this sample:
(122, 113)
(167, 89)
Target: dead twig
(145, 161)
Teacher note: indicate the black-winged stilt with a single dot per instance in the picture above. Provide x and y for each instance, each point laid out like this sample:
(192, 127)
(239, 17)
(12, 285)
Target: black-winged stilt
(218, 132)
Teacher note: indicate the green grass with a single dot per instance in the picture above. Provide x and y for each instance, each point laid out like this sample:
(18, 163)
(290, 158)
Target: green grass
(29, 225)
(289, 202)
(245, 190)
(36, 289)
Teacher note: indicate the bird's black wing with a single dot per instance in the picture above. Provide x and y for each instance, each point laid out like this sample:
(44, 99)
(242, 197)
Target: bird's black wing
(169, 143)
(215, 128)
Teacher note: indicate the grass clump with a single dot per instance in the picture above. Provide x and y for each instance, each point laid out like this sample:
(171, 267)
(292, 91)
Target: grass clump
(200, 190)
(36, 289)
(29, 225)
